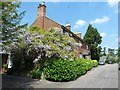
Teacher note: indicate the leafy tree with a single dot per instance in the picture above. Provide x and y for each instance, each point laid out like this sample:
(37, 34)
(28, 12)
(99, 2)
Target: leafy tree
(104, 51)
(93, 39)
(11, 28)
(111, 51)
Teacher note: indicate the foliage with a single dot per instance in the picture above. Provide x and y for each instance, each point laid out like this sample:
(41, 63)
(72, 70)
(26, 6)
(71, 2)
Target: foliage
(36, 73)
(88, 64)
(38, 45)
(93, 39)
(54, 42)
(112, 58)
(104, 51)
(113, 55)
(22, 56)
(10, 24)
(111, 51)
(95, 63)
(66, 70)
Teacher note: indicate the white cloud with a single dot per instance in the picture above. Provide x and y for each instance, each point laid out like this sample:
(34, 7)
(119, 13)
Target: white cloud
(104, 19)
(79, 23)
(112, 3)
(103, 34)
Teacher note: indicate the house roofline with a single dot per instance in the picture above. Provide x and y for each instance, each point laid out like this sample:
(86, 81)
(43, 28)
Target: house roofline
(52, 20)
(33, 22)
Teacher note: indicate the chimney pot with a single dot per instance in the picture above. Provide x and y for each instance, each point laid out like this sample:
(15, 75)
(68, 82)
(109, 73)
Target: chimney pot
(42, 9)
(68, 26)
(43, 3)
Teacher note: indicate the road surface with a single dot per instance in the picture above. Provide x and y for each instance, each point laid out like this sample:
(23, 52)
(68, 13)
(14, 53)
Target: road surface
(105, 76)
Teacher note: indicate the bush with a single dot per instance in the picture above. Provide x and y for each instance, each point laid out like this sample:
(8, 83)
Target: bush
(66, 70)
(95, 63)
(37, 45)
(36, 73)
(22, 58)
(59, 70)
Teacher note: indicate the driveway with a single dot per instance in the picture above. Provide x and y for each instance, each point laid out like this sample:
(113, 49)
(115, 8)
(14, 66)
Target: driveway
(105, 76)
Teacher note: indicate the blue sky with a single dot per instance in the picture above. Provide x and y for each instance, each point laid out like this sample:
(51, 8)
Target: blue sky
(102, 15)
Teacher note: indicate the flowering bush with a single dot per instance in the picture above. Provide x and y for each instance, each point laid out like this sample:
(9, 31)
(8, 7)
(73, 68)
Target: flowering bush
(54, 42)
(38, 45)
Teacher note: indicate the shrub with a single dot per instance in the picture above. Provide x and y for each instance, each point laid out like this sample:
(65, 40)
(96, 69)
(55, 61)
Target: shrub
(66, 70)
(59, 70)
(86, 63)
(38, 45)
(95, 63)
(36, 73)
(22, 57)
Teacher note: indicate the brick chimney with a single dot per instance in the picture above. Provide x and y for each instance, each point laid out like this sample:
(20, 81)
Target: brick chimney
(42, 9)
(68, 26)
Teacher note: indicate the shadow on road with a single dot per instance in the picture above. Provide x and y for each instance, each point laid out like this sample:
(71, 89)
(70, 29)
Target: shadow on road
(15, 82)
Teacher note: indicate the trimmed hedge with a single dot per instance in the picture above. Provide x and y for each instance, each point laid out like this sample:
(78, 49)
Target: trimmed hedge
(66, 70)
(95, 63)
(36, 73)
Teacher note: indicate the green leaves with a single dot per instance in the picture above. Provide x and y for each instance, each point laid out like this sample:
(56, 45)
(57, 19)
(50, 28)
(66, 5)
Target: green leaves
(38, 45)
(93, 39)
(92, 36)
(66, 70)
(95, 63)
(54, 39)
(11, 28)
(36, 73)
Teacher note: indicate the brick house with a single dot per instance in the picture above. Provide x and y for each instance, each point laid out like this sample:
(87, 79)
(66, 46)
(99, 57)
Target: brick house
(46, 23)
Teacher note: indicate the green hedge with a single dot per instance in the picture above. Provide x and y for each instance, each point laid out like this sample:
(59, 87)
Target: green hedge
(95, 63)
(66, 70)
(36, 73)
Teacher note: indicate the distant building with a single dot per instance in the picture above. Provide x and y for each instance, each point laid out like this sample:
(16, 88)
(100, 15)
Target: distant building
(46, 23)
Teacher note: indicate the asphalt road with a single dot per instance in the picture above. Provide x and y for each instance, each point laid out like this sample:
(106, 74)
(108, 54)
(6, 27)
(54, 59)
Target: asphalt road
(105, 76)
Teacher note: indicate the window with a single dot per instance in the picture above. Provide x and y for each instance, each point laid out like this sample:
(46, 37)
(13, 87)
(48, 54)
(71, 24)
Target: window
(86, 46)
